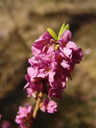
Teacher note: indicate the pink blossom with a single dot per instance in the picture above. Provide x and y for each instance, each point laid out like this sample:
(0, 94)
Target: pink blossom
(57, 93)
(52, 64)
(0, 116)
(32, 72)
(65, 37)
(49, 106)
(59, 78)
(24, 116)
(34, 84)
(41, 44)
(31, 92)
(6, 124)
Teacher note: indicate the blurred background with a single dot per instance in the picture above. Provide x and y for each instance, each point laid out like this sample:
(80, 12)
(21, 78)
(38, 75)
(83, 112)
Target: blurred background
(22, 22)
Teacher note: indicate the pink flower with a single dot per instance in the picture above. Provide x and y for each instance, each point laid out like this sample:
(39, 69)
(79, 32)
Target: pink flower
(59, 78)
(30, 92)
(42, 68)
(24, 116)
(35, 84)
(32, 73)
(49, 106)
(6, 124)
(41, 44)
(57, 93)
(0, 116)
(65, 37)
(71, 54)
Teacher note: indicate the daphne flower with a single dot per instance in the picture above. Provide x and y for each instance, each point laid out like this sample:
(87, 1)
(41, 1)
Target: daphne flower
(0, 116)
(65, 37)
(24, 116)
(31, 92)
(49, 106)
(41, 44)
(6, 124)
(57, 93)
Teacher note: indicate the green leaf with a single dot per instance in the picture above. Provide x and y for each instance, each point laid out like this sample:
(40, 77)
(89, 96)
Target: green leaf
(67, 27)
(61, 30)
(52, 33)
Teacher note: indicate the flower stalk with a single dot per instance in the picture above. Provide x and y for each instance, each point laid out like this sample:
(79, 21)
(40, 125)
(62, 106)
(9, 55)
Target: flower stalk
(37, 106)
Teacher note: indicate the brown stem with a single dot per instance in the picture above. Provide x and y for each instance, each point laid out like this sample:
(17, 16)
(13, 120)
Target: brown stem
(39, 99)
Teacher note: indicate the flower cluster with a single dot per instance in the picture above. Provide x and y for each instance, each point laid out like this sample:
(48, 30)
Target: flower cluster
(53, 61)
(24, 116)
(51, 65)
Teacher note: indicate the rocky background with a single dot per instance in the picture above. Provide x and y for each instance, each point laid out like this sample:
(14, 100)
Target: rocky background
(22, 22)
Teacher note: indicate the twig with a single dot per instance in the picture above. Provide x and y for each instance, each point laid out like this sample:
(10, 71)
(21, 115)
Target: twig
(37, 105)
